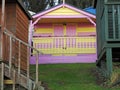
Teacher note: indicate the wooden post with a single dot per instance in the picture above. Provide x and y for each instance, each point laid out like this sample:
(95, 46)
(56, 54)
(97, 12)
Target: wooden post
(14, 78)
(28, 64)
(10, 56)
(37, 70)
(1, 45)
(109, 61)
(19, 59)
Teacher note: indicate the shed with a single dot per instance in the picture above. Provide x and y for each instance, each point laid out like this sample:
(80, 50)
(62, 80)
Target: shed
(17, 21)
(108, 33)
(64, 34)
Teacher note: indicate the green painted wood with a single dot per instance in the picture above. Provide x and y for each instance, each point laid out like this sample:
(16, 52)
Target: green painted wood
(106, 23)
(119, 20)
(112, 45)
(109, 61)
(113, 20)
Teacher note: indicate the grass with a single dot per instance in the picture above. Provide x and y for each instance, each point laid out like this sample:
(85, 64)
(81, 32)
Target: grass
(70, 77)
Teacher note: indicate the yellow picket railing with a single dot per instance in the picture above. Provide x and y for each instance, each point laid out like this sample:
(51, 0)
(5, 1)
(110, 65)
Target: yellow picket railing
(65, 45)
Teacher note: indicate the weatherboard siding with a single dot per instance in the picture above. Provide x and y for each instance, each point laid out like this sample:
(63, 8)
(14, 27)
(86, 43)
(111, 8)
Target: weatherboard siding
(63, 11)
(16, 23)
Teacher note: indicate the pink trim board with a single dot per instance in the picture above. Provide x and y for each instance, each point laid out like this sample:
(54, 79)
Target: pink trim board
(64, 5)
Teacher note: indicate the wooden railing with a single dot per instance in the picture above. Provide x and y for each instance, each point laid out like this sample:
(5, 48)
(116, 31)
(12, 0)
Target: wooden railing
(65, 45)
(17, 58)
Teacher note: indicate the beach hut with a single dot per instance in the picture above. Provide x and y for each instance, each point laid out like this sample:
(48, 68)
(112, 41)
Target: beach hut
(64, 34)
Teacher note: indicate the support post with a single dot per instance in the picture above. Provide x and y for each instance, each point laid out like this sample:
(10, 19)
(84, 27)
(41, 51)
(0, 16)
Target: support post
(10, 56)
(14, 78)
(109, 61)
(28, 66)
(2, 76)
(37, 70)
(1, 45)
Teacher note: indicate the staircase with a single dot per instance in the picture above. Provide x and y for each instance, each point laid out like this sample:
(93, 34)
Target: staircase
(14, 71)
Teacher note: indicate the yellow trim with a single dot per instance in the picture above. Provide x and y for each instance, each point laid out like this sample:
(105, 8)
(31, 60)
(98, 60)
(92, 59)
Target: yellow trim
(44, 30)
(86, 29)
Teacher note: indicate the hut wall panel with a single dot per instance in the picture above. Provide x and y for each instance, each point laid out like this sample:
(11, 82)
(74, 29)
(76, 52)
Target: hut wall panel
(11, 18)
(22, 24)
(17, 24)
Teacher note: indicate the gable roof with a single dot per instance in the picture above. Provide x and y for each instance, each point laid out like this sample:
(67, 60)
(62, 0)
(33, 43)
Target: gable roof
(80, 11)
(24, 9)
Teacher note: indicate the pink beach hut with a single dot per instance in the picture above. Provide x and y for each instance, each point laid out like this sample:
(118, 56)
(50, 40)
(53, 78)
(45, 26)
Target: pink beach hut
(64, 34)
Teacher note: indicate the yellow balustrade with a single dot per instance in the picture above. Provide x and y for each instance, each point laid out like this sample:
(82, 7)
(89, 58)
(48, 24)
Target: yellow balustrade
(65, 45)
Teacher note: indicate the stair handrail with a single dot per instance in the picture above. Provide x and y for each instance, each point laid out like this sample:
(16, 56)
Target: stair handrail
(8, 33)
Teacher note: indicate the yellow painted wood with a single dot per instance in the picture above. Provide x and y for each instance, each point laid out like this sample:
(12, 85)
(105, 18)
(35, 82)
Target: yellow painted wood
(44, 30)
(86, 29)
(64, 11)
(8, 81)
(64, 49)
(64, 30)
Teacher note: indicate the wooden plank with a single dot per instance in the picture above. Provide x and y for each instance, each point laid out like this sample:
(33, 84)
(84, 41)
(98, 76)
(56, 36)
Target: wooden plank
(8, 81)
(113, 17)
(1, 76)
(1, 44)
(119, 19)
(109, 61)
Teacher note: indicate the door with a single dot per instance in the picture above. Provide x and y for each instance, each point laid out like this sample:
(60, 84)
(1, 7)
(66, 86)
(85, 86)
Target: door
(63, 34)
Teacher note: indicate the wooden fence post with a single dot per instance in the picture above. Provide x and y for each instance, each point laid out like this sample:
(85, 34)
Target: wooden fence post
(1, 46)
(37, 69)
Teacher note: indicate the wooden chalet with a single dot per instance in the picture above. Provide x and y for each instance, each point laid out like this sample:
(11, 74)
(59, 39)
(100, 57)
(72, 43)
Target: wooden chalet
(64, 34)
(14, 46)
(108, 34)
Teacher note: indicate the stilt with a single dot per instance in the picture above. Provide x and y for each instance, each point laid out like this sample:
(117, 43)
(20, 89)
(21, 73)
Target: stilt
(1, 76)
(109, 61)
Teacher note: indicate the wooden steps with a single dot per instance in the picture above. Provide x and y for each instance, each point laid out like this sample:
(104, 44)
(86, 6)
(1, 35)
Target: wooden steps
(16, 78)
